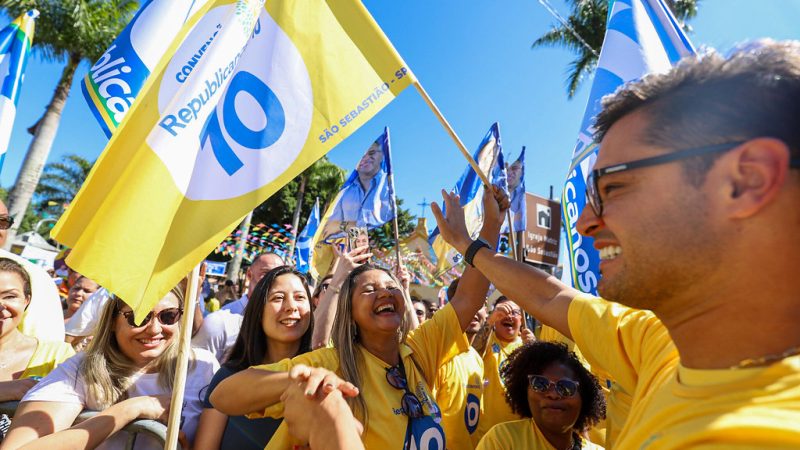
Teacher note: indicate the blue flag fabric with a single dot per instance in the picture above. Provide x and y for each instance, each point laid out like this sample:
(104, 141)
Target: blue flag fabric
(642, 37)
(304, 247)
(15, 46)
(515, 174)
(470, 189)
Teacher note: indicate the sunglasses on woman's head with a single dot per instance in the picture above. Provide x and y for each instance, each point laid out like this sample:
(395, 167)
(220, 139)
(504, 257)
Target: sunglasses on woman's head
(564, 387)
(169, 316)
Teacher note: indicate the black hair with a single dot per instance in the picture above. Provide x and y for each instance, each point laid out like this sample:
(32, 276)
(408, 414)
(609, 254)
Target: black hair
(250, 348)
(9, 265)
(532, 359)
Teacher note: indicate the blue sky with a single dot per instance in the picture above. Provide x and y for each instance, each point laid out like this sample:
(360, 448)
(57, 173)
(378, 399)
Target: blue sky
(475, 61)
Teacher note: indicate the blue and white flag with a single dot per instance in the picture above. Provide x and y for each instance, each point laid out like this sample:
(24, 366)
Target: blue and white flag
(470, 189)
(15, 46)
(365, 200)
(116, 79)
(303, 249)
(516, 186)
(642, 37)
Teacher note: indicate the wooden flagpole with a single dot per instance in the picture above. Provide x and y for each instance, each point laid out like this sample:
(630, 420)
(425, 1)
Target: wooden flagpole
(452, 133)
(179, 384)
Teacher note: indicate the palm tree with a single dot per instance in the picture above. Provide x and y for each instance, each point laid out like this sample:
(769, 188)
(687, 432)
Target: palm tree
(60, 182)
(587, 19)
(68, 31)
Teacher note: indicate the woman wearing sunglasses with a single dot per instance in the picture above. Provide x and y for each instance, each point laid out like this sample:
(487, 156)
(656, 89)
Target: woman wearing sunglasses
(126, 373)
(277, 324)
(561, 399)
(374, 351)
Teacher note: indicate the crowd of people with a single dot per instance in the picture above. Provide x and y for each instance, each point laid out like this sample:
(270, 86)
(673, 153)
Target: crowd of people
(693, 206)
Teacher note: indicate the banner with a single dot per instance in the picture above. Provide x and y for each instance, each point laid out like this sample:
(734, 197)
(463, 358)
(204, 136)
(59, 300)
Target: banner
(116, 79)
(365, 200)
(470, 189)
(642, 37)
(304, 248)
(248, 95)
(15, 46)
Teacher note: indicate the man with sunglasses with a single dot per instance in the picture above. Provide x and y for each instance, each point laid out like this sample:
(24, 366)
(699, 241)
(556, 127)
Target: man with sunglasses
(694, 209)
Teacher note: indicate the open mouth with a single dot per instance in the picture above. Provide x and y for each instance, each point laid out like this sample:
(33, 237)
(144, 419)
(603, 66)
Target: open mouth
(610, 252)
(290, 322)
(385, 309)
(151, 343)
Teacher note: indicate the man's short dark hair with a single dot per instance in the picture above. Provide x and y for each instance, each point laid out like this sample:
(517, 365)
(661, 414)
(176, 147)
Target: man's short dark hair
(711, 99)
(451, 290)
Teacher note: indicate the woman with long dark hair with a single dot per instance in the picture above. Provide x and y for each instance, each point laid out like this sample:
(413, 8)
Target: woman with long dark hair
(277, 324)
(377, 355)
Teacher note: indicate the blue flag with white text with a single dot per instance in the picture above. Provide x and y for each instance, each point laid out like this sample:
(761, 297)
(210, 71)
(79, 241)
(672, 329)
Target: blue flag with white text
(304, 247)
(470, 189)
(642, 37)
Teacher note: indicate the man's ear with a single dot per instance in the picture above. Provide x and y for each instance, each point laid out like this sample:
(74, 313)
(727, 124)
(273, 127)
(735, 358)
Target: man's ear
(756, 173)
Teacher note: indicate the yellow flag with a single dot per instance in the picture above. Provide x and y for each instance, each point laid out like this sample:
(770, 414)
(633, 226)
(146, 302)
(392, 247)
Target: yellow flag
(248, 96)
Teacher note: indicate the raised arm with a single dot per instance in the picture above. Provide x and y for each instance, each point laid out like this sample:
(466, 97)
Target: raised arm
(471, 293)
(540, 294)
(326, 310)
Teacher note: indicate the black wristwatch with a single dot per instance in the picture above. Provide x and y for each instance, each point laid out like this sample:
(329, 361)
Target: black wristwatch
(473, 248)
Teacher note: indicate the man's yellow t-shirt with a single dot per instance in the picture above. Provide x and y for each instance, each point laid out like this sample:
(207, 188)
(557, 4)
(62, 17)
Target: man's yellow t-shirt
(521, 434)
(46, 357)
(495, 407)
(427, 348)
(675, 407)
(458, 390)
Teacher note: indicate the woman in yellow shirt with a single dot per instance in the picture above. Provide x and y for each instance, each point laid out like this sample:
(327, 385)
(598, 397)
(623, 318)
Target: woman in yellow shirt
(23, 359)
(560, 398)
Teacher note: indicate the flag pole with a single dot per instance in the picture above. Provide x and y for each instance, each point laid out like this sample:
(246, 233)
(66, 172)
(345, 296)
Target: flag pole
(179, 383)
(452, 133)
(390, 176)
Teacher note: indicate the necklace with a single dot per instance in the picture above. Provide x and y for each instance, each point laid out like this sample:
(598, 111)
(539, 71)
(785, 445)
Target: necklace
(766, 360)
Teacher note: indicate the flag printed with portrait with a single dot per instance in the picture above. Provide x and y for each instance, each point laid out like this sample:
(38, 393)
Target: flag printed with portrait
(116, 79)
(304, 248)
(642, 37)
(365, 200)
(515, 176)
(278, 85)
(470, 190)
(15, 46)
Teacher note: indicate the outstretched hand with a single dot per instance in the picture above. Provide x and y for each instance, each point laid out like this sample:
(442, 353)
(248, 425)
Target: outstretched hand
(453, 226)
(495, 205)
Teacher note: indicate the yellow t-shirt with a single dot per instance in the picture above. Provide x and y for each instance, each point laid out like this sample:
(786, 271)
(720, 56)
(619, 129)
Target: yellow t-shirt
(428, 347)
(458, 390)
(46, 357)
(495, 408)
(521, 434)
(675, 407)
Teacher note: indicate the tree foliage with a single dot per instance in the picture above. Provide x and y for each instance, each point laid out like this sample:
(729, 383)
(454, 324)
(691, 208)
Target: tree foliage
(60, 182)
(588, 19)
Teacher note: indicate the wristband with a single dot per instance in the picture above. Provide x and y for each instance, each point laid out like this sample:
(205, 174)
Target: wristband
(473, 248)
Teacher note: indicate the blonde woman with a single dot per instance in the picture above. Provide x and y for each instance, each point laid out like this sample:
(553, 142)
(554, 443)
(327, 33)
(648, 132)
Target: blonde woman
(126, 373)
(374, 351)
(23, 359)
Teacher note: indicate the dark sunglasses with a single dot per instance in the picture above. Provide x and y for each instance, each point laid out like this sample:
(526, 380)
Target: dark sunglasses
(6, 222)
(593, 192)
(564, 387)
(411, 405)
(169, 316)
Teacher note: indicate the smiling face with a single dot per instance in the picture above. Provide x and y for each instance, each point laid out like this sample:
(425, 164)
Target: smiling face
(12, 301)
(553, 413)
(145, 343)
(514, 174)
(79, 292)
(651, 223)
(477, 322)
(287, 311)
(507, 327)
(378, 304)
(370, 163)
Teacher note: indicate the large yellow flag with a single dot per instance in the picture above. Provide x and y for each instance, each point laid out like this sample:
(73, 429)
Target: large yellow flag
(249, 95)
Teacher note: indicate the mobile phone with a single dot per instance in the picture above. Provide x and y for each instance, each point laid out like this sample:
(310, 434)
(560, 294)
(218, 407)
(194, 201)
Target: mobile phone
(357, 237)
